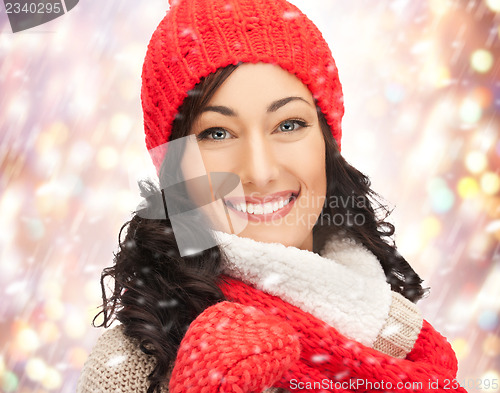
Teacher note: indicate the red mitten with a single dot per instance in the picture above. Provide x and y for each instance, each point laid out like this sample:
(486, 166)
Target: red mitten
(233, 348)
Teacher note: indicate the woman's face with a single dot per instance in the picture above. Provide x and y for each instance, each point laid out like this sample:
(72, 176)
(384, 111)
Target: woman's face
(262, 125)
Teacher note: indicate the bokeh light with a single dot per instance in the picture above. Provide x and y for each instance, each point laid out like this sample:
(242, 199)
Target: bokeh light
(36, 369)
(481, 60)
(490, 183)
(431, 227)
(54, 309)
(467, 187)
(494, 5)
(491, 345)
(490, 381)
(488, 320)
(470, 111)
(461, 348)
(27, 340)
(52, 379)
(107, 157)
(77, 357)
(49, 331)
(476, 162)
(9, 382)
(74, 326)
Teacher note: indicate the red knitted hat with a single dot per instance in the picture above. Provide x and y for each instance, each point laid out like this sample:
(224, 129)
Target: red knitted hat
(196, 37)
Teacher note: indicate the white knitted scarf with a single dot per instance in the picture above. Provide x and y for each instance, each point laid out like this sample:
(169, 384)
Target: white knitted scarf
(344, 285)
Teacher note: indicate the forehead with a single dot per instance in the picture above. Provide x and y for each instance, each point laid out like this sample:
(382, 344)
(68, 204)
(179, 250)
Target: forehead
(259, 83)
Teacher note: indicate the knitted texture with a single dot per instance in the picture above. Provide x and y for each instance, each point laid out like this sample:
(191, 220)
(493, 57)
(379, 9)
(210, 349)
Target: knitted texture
(401, 328)
(233, 348)
(196, 37)
(344, 286)
(116, 364)
(326, 354)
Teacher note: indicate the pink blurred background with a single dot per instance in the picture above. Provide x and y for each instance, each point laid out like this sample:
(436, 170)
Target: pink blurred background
(422, 95)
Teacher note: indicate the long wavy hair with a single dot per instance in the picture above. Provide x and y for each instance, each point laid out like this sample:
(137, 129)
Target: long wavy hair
(157, 293)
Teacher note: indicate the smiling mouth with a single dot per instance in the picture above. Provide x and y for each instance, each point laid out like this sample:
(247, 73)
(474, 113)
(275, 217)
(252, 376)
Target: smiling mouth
(262, 209)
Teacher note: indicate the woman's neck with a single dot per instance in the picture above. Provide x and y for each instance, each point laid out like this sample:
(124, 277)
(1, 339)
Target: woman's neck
(308, 243)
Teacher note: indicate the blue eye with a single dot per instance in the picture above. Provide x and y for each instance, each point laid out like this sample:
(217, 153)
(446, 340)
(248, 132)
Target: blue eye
(215, 134)
(292, 125)
(218, 134)
(287, 125)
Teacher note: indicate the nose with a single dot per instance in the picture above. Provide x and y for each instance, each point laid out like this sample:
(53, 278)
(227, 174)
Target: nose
(259, 162)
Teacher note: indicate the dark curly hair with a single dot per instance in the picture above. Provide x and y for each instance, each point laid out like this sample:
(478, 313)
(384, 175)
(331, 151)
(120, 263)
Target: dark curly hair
(157, 293)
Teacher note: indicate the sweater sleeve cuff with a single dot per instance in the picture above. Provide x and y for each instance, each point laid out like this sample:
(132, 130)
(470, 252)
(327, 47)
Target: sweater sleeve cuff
(401, 328)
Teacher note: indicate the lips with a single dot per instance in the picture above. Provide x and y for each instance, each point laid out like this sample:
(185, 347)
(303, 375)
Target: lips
(266, 206)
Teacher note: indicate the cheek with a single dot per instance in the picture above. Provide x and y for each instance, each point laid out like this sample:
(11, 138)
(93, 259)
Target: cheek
(205, 188)
(195, 167)
(312, 166)
(194, 176)
(317, 186)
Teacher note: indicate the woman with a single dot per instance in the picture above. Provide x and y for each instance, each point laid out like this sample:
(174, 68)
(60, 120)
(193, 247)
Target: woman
(284, 281)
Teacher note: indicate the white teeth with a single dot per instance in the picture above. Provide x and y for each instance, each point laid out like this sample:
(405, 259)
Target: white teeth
(258, 209)
(266, 208)
(242, 207)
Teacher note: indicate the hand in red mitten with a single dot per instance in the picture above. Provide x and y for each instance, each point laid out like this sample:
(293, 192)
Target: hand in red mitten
(233, 348)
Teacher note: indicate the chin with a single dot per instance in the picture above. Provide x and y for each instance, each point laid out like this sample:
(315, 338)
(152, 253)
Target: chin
(273, 235)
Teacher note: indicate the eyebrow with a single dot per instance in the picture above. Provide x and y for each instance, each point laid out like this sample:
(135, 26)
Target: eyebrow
(275, 105)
